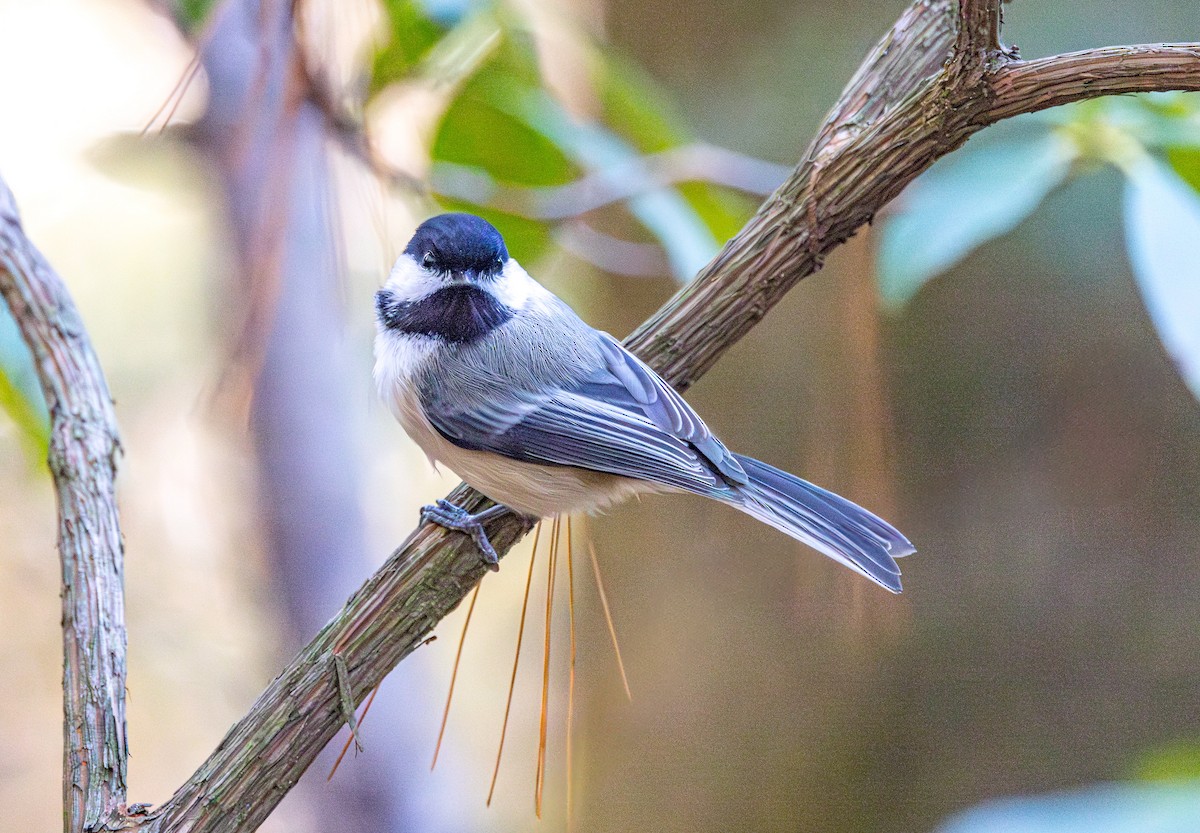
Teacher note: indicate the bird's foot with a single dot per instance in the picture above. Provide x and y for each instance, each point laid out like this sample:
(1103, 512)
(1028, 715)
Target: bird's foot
(446, 514)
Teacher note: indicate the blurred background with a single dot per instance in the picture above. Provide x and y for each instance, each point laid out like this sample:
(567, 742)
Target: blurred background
(223, 203)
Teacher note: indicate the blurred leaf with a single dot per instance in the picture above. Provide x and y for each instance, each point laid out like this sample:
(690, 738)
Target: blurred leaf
(412, 34)
(1162, 226)
(452, 12)
(688, 242)
(1106, 808)
(1185, 161)
(163, 162)
(1175, 104)
(20, 395)
(723, 211)
(635, 108)
(969, 198)
(480, 128)
(194, 12)
(1160, 119)
(1153, 119)
(477, 131)
(503, 129)
(505, 125)
(1175, 762)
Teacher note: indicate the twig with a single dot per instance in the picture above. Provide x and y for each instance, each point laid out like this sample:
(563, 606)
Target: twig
(82, 458)
(697, 162)
(346, 128)
(612, 254)
(1028, 86)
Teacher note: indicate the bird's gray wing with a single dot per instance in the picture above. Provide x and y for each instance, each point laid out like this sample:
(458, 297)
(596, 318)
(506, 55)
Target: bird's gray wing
(619, 418)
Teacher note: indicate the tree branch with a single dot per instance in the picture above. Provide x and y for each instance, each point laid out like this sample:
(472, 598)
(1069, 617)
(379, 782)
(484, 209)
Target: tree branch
(978, 30)
(264, 754)
(905, 108)
(82, 459)
(861, 160)
(924, 90)
(1028, 86)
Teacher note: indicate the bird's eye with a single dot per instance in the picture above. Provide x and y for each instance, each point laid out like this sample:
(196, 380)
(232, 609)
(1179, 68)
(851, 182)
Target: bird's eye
(428, 261)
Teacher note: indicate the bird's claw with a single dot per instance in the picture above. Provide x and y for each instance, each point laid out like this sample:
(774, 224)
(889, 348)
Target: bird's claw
(446, 514)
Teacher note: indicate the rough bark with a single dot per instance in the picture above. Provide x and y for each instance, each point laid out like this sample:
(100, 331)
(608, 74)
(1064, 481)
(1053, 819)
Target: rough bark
(83, 461)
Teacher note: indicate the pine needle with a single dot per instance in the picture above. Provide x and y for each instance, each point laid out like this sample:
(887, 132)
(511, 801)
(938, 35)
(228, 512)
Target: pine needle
(612, 631)
(175, 98)
(540, 781)
(571, 678)
(462, 640)
(516, 660)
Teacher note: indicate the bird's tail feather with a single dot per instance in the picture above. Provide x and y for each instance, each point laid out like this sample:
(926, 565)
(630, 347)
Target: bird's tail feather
(844, 531)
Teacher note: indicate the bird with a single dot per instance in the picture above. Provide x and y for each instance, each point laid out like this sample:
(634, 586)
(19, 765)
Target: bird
(496, 377)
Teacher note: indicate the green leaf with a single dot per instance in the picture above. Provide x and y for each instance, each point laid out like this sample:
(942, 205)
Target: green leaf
(1171, 118)
(1162, 225)
(967, 199)
(1185, 161)
(503, 128)
(20, 395)
(194, 12)
(635, 108)
(1149, 119)
(479, 131)
(1178, 761)
(412, 34)
(664, 212)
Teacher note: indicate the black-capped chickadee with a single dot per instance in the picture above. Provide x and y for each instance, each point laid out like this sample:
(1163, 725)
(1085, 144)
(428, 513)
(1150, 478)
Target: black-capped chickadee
(499, 379)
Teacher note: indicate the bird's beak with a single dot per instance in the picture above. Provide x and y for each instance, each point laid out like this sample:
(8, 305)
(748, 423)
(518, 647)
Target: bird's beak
(463, 277)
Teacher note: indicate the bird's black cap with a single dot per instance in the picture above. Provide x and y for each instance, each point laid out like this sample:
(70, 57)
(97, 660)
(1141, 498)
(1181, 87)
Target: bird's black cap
(458, 243)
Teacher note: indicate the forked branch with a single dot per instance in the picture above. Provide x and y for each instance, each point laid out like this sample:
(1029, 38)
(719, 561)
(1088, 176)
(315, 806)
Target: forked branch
(935, 79)
(978, 38)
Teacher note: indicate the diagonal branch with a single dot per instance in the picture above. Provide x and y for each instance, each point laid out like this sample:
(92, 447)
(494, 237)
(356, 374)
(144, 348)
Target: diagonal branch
(919, 44)
(853, 169)
(82, 459)
(903, 110)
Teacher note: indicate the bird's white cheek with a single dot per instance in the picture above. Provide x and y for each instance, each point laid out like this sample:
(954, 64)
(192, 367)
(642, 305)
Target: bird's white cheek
(409, 281)
(516, 289)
